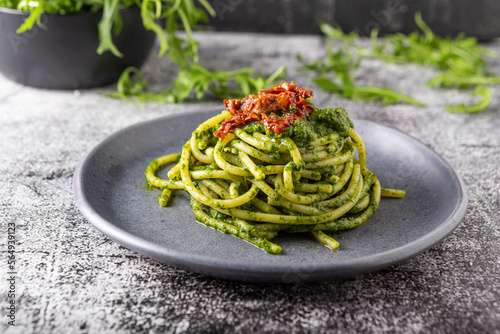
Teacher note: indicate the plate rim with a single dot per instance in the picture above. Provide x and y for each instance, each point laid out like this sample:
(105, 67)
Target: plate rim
(264, 273)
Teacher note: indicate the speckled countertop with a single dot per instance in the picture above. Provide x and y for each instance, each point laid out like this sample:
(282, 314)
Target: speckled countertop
(72, 279)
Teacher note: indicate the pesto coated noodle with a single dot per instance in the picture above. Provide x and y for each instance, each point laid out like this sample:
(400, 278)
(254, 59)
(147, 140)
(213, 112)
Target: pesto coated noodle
(274, 163)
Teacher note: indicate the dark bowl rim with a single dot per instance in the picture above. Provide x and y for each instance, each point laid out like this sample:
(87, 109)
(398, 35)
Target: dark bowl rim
(18, 12)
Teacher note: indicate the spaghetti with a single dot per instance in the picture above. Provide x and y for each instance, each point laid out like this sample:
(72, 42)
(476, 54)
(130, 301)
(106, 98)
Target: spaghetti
(274, 163)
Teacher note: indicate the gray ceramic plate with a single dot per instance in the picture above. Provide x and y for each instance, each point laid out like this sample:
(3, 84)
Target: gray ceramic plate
(111, 193)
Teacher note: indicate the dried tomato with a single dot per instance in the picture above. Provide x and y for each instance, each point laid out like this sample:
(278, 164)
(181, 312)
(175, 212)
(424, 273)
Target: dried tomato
(235, 121)
(289, 99)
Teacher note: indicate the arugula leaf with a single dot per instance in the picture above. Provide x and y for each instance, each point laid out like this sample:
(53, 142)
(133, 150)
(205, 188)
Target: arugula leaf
(131, 83)
(453, 79)
(460, 60)
(447, 54)
(365, 93)
(334, 72)
(149, 20)
(198, 80)
(481, 91)
(35, 16)
(110, 17)
(336, 32)
(341, 62)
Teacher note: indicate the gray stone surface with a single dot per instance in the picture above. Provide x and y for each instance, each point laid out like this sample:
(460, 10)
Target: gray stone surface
(72, 279)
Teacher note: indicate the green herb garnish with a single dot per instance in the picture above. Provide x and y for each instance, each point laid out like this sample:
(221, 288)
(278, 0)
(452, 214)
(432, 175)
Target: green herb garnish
(177, 15)
(334, 73)
(460, 61)
(482, 92)
(195, 78)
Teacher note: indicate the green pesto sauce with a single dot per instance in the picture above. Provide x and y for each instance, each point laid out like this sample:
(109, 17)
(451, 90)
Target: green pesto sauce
(327, 171)
(247, 206)
(321, 122)
(330, 120)
(220, 216)
(254, 127)
(303, 133)
(209, 167)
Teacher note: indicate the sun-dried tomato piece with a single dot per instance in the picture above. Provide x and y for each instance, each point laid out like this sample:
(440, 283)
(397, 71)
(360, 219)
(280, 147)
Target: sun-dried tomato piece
(235, 121)
(279, 124)
(284, 87)
(288, 99)
(277, 98)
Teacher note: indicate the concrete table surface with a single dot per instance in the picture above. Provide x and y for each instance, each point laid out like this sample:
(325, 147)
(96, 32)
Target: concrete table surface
(69, 278)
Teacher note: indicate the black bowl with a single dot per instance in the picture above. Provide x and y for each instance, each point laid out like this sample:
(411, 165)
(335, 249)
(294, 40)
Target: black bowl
(64, 56)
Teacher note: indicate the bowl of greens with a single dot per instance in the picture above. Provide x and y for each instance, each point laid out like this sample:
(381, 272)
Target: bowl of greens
(59, 44)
